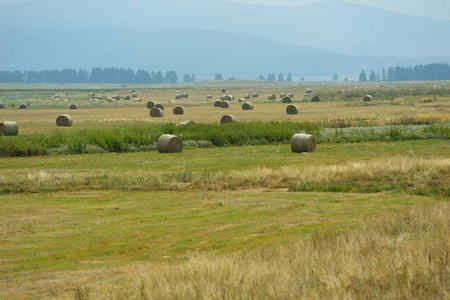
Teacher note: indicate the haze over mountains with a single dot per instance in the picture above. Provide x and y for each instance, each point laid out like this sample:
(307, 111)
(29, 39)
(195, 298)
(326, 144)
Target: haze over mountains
(205, 37)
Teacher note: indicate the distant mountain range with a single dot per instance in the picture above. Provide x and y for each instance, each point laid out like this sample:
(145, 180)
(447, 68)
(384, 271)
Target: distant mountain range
(206, 37)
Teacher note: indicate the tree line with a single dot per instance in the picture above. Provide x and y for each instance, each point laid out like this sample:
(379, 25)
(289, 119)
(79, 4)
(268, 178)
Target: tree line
(428, 72)
(97, 75)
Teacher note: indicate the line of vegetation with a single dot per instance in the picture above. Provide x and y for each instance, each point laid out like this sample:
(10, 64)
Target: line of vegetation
(144, 138)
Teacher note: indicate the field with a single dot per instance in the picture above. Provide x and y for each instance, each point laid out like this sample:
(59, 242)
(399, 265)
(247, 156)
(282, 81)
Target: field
(92, 211)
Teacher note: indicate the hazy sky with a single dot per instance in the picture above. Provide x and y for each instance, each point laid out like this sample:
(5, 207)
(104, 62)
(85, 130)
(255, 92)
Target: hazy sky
(437, 9)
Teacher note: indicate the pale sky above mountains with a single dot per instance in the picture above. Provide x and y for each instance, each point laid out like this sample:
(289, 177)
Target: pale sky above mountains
(437, 9)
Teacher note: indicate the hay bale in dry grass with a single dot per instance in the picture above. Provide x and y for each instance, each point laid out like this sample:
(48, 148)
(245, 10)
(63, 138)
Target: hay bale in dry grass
(178, 110)
(223, 90)
(271, 97)
(315, 98)
(290, 95)
(255, 95)
(223, 97)
(282, 95)
(150, 104)
(188, 122)
(367, 98)
(224, 104)
(308, 91)
(242, 100)
(137, 100)
(23, 106)
(168, 143)
(217, 103)
(185, 95)
(160, 106)
(156, 112)
(2, 105)
(287, 99)
(292, 109)
(116, 97)
(178, 96)
(91, 94)
(209, 96)
(246, 96)
(73, 106)
(64, 120)
(247, 106)
(229, 97)
(227, 119)
(9, 128)
(303, 143)
(134, 94)
(127, 97)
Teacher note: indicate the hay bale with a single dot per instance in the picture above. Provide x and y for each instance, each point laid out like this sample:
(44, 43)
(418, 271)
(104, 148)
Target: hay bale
(229, 97)
(156, 112)
(224, 104)
(282, 95)
(308, 91)
(2, 105)
(73, 106)
(185, 95)
(127, 97)
(134, 94)
(227, 119)
(315, 98)
(168, 143)
(9, 128)
(290, 95)
(287, 99)
(23, 106)
(247, 106)
(246, 96)
(217, 103)
(64, 120)
(91, 94)
(178, 110)
(242, 100)
(209, 96)
(255, 95)
(223, 97)
(116, 97)
(150, 104)
(178, 96)
(367, 98)
(292, 109)
(188, 122)
(160, 106)
(271, 97)
(223, 90)
(137, 100)
(303, 143)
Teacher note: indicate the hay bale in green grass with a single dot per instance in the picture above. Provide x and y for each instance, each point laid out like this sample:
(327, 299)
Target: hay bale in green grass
(188, 122)
(315, 98)
(303, 143)
(271, 97)
(224, 104)
(287, 99)
(255, 95)
(223, 90)
(160, 106)
(178, 110)
(247, 106)
(217, 103)
(64, 120)
(292, 109)
(168, 143)
(2, 105)
(367, 98)
(23, 106)
(156, 112)
(73, 106)
(9, 128)
(227, 119)
(150, 104)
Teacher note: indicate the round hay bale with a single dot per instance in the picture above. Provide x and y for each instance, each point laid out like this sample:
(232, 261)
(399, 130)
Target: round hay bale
(185, 95)
(137, 100)
(246, 96)
(282, 95)
(208, 96)
(23, 106)
(292, 109)
(134, 94)
(247, 106)
(290, 95)
(287, 99)
(227, 119)
(116, 97)
(9, 128)
(217, 103)
(168, 143)
(178, 110)
(229, 97)
(127, 97)
(178, 96)
(255, 95)
(315, 98)
(271, 97)
(242, 100)
(224, 104)
(303, 143)
(91, 94)
(223, 90)
(160, 106)
(156, 112)
(188, 122)
(223, 97)
(64, 120)
(2, 105)
(73, 106)
(308, 91)
(367, 98)
(150, 104)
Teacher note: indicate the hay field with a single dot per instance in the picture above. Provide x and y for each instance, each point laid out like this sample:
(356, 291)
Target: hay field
(353, 220)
